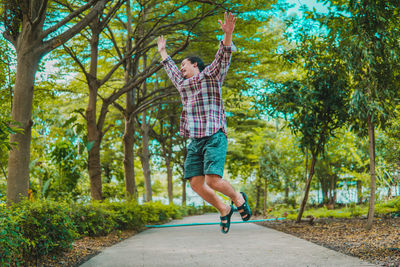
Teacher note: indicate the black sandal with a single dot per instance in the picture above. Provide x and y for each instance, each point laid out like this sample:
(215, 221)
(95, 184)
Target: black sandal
(246, 208)
(226, 218)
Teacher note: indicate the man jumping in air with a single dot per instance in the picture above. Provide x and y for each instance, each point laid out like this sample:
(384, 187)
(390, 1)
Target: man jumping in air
(203, 121)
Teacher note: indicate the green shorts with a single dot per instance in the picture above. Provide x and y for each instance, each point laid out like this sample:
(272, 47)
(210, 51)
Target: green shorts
(206, 155)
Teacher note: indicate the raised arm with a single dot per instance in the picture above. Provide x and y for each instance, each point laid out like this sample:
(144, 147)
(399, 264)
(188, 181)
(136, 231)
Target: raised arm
(174, 74)
(162, 47)
(228, 27)
(219, 67)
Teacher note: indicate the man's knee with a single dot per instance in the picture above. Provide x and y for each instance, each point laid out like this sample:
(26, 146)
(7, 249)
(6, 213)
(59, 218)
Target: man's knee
(197, 183)
(213, 180)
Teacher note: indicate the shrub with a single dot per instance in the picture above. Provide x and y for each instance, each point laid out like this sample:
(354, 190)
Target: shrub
(45, 225)
(92, 219)
(392, 207)
(12, 242)
(156, 212)
(126, 215)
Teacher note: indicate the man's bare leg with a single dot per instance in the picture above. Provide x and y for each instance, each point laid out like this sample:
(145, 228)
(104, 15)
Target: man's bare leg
(200, 187)
(224, 187)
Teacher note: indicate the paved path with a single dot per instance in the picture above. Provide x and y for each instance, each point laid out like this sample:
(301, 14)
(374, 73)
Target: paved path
(246, 244)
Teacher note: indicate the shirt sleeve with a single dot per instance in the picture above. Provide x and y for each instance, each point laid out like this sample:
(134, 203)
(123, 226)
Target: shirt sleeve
(173, 72)
(219, 67)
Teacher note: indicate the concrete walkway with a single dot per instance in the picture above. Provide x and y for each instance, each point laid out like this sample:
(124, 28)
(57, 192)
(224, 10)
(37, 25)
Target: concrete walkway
(246, 244)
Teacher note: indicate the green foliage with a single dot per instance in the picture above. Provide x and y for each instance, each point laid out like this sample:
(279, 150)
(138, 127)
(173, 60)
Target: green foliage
(12, 241)
(65, 155)
(57, 153)
(367, 32)
(93, 219)
(314, 105)
(127, 215)
(5, 130)
(391, 207)
(38, 228)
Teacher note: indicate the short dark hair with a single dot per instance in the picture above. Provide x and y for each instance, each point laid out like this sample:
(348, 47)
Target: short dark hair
(199, 61)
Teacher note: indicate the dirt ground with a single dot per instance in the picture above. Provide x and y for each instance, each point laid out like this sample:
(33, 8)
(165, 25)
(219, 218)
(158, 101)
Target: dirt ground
(380, 245)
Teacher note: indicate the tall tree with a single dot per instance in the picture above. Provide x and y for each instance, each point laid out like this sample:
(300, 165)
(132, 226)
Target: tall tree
(95, 126)
(34, 34)
(367, 31)
(166, 133)
(314, 105)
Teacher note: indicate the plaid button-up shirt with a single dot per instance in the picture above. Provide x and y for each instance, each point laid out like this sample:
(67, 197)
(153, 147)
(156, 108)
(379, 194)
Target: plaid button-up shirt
(203, 111)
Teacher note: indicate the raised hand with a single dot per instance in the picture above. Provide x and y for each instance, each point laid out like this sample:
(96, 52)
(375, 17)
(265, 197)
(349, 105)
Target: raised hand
(229, 23)
(162, 47)
(162, 43)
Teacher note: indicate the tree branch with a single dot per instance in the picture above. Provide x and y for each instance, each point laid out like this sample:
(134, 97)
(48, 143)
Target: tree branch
(68, 18)
(112, 38)
(107, 128)
(9, 38)
(73, 55)
(111, 13)
(150, 103)
(65, 36)
(83, 114)
(119, 107)
(41, 13)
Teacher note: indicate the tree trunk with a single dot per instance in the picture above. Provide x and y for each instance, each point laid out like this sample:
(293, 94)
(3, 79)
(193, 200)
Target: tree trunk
(332, 189)
(94, 166)
(129, 159)
(265, 196)
(145, 159)
(169, 178)
(307, 188)
(359, 192)
(128, 138)
(389, 195)
(258, 193)
(94, 133)
(184, 192)
(287, 191)
(19, 156)
(371, 140)
(306, 168)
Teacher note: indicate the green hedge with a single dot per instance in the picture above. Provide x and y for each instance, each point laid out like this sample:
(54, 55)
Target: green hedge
(31, 229)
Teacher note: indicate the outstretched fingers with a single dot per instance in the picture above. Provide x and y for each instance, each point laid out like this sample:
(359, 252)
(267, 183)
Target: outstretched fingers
(231, 18)
(229, 22)
(161, 42)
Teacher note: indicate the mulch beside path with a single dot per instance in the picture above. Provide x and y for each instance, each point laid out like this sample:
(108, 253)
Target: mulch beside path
(82, 250)
(380, 245)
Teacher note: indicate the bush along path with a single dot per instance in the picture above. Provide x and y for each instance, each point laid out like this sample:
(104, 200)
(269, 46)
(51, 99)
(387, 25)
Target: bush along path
(44, 232)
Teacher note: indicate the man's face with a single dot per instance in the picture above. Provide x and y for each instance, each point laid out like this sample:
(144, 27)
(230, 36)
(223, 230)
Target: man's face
(188, 68)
